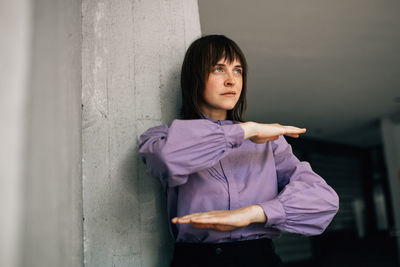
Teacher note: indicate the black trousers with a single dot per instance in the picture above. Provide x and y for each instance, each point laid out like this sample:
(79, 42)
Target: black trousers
(251, 253)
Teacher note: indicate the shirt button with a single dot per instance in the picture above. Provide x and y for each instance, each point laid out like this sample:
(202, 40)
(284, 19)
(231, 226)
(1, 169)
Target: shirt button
(218, 250)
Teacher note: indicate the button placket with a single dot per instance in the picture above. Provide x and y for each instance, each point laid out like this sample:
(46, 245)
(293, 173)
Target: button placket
(233, 192)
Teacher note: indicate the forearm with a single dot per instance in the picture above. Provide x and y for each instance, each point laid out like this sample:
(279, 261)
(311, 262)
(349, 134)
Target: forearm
(249, 128)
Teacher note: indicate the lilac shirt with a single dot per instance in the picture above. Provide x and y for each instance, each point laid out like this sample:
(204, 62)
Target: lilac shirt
(207, 165)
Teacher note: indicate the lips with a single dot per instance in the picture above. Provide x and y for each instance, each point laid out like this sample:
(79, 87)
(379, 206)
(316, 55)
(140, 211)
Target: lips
(230, 93)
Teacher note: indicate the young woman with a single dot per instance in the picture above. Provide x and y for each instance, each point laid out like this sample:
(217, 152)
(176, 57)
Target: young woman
(231, 185)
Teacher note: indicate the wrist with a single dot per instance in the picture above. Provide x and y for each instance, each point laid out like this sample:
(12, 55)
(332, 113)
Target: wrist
(249, 129)
(257, 214)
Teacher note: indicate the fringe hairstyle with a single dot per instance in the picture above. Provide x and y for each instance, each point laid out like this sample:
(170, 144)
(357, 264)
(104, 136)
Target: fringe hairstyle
(201, 56)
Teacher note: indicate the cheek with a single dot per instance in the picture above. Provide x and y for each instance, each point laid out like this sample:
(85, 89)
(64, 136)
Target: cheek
(241, 86)
(208, 95)
(211, 88)
(214, 82)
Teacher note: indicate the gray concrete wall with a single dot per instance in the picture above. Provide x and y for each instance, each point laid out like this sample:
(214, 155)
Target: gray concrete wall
(52, 234)
(131, 57)
(14, 57)
(40, 188)
(390, 127)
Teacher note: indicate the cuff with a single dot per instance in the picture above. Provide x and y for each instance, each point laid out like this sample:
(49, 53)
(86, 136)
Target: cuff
(274, 211)
(234, 135)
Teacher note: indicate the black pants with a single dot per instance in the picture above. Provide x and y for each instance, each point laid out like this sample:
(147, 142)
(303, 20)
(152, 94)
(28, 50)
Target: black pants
(251, 253)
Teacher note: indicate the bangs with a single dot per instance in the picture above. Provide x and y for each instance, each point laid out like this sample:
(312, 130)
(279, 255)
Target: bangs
(222, 48)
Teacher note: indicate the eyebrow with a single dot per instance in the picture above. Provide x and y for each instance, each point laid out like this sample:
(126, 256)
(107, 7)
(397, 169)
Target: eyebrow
(240, 66)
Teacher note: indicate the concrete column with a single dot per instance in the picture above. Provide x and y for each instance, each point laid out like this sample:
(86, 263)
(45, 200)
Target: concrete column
(390, 128)
(40, 188)
(15, 21)
(131, 57)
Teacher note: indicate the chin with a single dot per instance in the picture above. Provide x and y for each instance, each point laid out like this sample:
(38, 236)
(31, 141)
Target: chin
(227, 107)
(230, 107)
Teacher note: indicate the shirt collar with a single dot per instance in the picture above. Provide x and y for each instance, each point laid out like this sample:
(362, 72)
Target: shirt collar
(222, 121)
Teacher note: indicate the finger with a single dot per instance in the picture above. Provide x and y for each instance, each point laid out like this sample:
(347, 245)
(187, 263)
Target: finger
(292, 129)
(292, 134)
(191, 215)
(206, 220)
(177, 220)
(184, 219)
(188, 216)
(204, 225)
(220, 227)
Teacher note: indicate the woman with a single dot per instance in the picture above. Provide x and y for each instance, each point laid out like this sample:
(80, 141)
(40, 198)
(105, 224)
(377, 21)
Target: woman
(231, 185)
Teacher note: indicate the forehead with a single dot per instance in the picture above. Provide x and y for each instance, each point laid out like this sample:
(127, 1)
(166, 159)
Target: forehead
(226, 61)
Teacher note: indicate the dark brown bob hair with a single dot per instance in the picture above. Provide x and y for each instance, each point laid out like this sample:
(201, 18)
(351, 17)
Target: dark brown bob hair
(201, 56)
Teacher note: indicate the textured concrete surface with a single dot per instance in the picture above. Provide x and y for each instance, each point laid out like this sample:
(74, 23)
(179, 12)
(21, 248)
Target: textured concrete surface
(51, 223)
(14, 57)
(131, 57)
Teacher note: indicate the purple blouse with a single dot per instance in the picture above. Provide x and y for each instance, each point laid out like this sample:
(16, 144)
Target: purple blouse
(206, 165)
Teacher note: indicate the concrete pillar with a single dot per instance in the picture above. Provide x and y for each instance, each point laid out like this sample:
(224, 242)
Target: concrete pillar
(390, 128)
(40, 188)
(14, 57)
(132, 52)
(52, 234)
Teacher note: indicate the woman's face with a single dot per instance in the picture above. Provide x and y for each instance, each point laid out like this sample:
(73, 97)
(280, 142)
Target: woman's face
(223, 86)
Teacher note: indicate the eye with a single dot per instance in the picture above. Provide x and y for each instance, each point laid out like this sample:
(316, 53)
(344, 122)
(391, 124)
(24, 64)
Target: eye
(218, 69)
(239, 71)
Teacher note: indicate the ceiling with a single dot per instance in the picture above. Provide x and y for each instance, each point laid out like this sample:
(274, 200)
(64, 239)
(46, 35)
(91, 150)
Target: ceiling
(332, 67)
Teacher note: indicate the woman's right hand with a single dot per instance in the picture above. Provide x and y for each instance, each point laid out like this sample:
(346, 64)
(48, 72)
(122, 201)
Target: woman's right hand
(263, 132)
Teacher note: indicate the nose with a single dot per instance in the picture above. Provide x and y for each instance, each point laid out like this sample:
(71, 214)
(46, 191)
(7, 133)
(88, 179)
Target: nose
(230, 80)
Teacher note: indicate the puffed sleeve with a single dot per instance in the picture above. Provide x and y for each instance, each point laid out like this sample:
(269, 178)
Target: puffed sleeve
(186, 147)
(307, 204)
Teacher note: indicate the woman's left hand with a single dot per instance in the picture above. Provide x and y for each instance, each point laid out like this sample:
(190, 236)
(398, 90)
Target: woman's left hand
(224, 220)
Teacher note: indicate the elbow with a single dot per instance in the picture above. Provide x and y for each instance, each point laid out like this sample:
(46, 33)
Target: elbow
(149, 148)
(334, 201)
(328, 199)
(337, 203)
(328, 213)
(319, 227)
(331, 210)
(331, 207)
(143, 147)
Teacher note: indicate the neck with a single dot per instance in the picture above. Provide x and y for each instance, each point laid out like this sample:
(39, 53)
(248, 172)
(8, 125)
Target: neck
(215, 114)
